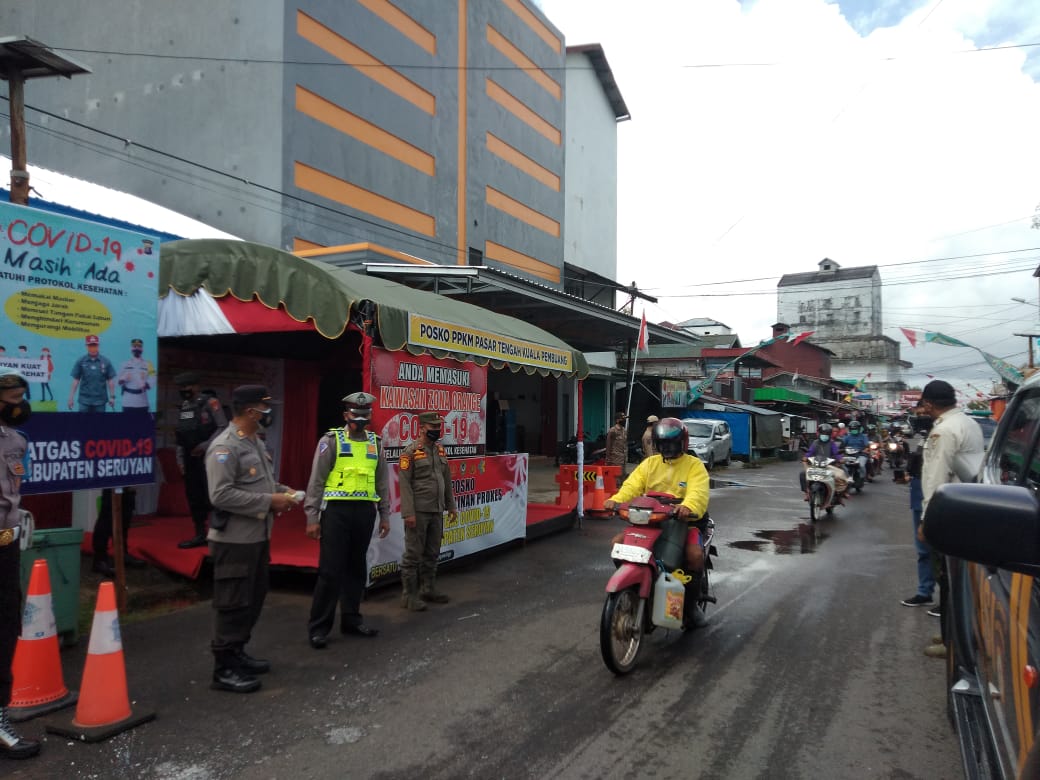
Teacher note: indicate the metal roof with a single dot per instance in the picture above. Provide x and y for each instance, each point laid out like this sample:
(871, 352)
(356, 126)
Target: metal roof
(31, 59)
(816, 277)
(598, 58)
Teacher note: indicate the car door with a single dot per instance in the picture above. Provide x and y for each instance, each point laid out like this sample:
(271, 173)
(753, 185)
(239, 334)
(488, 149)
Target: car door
(1006, 604)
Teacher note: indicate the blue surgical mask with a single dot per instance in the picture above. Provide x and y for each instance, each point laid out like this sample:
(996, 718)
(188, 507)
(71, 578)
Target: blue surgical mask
(825, 438)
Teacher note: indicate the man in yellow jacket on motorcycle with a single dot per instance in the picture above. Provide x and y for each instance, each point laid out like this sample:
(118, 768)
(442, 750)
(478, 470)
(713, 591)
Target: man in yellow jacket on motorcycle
(673, 470)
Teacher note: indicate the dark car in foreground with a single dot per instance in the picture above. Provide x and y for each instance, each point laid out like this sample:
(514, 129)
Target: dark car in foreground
(990, 534)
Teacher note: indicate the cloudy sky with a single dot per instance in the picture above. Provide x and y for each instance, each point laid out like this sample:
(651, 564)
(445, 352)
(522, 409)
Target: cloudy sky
(768, 135)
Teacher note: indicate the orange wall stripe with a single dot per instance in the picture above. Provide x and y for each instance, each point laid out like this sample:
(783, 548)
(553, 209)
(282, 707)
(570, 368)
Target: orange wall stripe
(504, 254)
(522, 61)
(327, 112)
(302, 244)
(328, 186)
(339, 47)
(403, 23)
(515, 208)
(461, 240)
(364, 246)
(522, 112)
(536, 24)
(519, 160)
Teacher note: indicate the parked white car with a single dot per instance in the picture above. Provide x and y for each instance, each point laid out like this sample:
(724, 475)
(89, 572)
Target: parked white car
(710, 440)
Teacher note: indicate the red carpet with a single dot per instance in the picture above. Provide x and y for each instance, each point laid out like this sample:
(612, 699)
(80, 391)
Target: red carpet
(154, 538)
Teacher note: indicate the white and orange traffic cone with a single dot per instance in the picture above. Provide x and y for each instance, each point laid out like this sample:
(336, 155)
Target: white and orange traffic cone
(104, 704)
(38, 686)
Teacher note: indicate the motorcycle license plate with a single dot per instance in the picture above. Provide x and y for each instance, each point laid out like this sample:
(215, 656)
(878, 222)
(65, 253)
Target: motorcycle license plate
(629, 552)
(818, 475)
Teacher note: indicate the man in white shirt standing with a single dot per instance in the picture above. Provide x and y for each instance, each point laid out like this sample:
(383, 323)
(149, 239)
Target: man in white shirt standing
(953, 452)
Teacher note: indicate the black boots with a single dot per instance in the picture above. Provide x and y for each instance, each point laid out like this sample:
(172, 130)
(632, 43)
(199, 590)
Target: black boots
(229, 673)
(12, 745)
(198, 540)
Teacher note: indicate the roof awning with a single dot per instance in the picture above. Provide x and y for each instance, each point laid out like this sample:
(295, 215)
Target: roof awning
(302, 294)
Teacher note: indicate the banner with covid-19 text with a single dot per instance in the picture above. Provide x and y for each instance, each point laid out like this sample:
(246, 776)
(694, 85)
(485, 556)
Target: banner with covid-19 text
(80, 301)
(406, 385)
(491, 494)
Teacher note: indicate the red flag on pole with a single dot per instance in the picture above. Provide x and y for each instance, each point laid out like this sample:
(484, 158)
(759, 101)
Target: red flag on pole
(643, 343)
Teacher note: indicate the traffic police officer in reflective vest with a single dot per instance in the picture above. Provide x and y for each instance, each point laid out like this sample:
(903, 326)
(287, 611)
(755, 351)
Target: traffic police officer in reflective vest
(349, 481)
(425, 484)
(199, 419)
(246, 497)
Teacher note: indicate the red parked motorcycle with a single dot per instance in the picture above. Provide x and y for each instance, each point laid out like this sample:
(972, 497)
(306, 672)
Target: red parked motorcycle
(648, 589)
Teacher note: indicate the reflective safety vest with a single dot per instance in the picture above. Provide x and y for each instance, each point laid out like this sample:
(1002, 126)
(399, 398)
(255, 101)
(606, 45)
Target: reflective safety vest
(353, 475)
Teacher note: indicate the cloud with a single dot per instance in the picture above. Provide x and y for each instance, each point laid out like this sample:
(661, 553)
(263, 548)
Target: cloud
(768, 135)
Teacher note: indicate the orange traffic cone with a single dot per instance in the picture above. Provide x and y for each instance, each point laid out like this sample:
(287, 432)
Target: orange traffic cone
(598, 492)
(104, 705)
(38, 685)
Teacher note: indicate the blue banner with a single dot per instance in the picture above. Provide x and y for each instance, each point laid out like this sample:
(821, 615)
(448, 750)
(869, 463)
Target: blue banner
(80, 301)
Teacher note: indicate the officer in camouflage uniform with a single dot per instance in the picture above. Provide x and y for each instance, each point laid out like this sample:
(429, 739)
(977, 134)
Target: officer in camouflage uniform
(246, 497)
(201, 417)
(425, 484)
(349, 481)
(14, 410)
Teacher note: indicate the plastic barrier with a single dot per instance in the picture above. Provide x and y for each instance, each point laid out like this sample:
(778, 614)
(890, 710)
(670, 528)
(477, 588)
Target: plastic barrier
(598, 483)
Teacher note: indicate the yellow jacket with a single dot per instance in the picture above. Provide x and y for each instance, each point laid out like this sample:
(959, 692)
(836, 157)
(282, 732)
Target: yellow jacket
(684, 477)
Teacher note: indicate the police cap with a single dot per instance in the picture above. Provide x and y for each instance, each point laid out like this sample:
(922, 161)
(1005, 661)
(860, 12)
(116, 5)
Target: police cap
(136, 343)
(186, 378)
(251, 394)
(430, 418)
(92, 340)
(360, 402)
(10, 378)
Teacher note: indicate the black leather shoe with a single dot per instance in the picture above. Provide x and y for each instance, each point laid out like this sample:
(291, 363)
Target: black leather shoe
(103, 567)
(198, 540)
(251, 665)
(318, 641)
(360, 630)
(233, 680)
(134, 562)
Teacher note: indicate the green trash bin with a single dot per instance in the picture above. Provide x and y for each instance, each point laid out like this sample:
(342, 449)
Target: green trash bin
(60, 548)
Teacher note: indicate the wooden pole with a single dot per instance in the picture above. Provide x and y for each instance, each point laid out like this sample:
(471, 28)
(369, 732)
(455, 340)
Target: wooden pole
(19, 171)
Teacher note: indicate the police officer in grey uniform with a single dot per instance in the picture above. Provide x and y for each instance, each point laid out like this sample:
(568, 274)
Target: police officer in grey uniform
(246, 497)
(349, 482)
(425, 485)
(14, 410)
(199, 419)
(134, 379)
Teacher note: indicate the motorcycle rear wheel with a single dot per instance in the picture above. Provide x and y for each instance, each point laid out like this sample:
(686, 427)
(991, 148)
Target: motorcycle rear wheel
(620, 636)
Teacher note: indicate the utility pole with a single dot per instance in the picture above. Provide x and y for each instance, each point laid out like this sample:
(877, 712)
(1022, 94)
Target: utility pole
(21, 59)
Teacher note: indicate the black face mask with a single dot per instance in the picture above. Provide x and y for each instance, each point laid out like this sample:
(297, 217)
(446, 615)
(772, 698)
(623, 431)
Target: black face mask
(187, 395)
(922, 424)
(266, 418)
(15, 414)
(433, 434)
(135, 352)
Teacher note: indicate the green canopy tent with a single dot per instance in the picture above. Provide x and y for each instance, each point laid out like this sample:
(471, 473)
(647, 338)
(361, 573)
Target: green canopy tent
(330, 298)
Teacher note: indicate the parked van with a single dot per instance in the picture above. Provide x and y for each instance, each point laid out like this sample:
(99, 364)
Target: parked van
(710, 440)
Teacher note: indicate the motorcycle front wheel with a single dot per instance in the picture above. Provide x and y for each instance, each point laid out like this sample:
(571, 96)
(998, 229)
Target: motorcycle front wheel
(620, 633)
(815, 505)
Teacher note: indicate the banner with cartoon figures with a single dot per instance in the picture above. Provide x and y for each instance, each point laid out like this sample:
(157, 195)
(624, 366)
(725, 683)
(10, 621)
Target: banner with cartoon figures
(406, 385)
(491, 494)
(80, 302)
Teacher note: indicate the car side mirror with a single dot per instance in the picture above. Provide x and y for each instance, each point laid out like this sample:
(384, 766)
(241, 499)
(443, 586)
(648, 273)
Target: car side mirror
(995, 525)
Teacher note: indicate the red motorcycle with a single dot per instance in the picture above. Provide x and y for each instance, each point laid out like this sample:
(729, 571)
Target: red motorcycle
(648, 589)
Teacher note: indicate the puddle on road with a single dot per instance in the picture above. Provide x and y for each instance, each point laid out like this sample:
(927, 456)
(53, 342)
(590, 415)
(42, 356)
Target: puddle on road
(803, 539)
(724, 483)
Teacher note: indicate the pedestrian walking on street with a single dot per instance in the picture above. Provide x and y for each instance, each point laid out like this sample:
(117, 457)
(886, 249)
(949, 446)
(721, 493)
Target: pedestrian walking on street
(349, 482)
(246, 497)
(648, 437)
(426, 495)
(617, 442)
(925, 567)
(953, 452)
(200, 418)
(14, 410)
